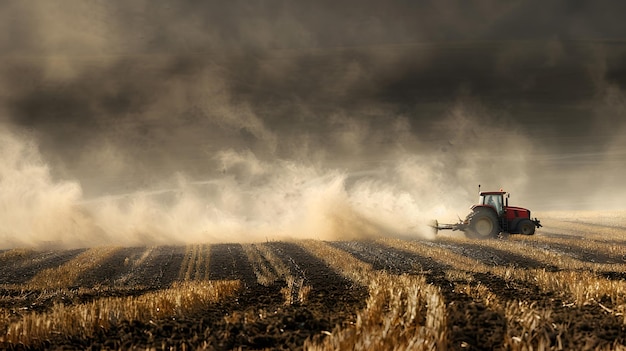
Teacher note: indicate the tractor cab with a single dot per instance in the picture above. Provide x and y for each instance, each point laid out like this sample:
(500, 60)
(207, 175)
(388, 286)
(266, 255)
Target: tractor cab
(495, 200)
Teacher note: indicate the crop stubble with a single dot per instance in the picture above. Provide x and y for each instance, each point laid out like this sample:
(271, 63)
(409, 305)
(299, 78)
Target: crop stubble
(552, 290)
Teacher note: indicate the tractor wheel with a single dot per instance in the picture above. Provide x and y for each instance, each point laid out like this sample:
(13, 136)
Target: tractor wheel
(526, 227)
(483, 224)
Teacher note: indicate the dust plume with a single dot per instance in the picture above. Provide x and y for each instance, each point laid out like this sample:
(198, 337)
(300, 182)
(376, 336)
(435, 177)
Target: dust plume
(247, 200)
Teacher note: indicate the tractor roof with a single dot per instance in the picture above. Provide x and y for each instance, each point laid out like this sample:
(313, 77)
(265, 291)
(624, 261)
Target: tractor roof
(492, 193)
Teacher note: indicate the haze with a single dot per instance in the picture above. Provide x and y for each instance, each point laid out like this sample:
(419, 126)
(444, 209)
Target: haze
(140, 123)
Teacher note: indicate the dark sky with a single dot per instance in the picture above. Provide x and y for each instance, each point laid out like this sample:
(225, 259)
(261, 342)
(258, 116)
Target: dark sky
(124, 95)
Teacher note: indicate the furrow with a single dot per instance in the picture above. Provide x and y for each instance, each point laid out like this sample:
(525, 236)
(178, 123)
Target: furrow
(586, 230)
(561, 295)
(470, 322)
(111, 270)
(329, 291)
(20, 266)
(158, 267)
(229, 262)
(94, 319)
(551, 260)
(68, 273)
(195, 263)
(582, 249)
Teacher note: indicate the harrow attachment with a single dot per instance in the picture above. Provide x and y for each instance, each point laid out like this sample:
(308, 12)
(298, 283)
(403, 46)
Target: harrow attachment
(456, 226)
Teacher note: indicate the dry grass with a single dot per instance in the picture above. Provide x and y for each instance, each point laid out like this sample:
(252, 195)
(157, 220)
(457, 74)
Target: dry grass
(264, 272)
(427, 249)
(577, 281)
(588, 231)
(281, 269)
(576, 287)
(295, 292)
(402, 313)
(529, 327)
(268, 268)
(614, 218)
(125, 278)
(15, 254)
(66, 274)
(5, 319)
(479, 292)
(341, 261)
(83, 320)
(583, 287)
(607, 248)
(195, 265)
(550, 257)
(592, 225)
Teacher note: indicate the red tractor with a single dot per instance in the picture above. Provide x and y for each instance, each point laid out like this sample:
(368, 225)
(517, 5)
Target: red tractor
(492, 216)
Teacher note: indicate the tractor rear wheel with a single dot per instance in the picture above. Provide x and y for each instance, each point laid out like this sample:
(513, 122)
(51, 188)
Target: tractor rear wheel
(483, 223)
(526, 227)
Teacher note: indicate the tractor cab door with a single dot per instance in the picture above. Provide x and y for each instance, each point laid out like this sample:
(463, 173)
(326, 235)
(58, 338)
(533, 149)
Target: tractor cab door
(495, 201)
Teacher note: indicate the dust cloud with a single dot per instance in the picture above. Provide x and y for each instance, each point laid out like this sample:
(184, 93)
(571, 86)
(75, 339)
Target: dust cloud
(134, 123)
(248, 199)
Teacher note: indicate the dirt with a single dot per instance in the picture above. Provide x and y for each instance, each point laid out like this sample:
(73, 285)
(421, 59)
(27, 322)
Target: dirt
(258, 318)
(477, 326)
(23, 267)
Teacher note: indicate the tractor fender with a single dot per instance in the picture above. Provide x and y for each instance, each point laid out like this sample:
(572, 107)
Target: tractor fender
(476, 207)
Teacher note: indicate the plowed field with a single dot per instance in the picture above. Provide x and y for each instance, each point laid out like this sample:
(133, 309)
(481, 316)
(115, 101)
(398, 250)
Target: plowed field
(563, 288)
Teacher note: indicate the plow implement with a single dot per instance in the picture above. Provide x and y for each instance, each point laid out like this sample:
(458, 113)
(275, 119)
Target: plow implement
(441, 226)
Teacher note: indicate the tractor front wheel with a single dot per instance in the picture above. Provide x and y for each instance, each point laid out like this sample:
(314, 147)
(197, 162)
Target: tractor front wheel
(526, 227)
(483, 224)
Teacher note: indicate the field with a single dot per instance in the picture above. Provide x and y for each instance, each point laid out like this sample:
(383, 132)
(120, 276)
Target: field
(563, 289)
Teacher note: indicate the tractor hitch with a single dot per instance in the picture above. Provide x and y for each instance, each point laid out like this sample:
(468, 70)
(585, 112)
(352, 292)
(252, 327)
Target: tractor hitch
(456, 226)
(537, 223)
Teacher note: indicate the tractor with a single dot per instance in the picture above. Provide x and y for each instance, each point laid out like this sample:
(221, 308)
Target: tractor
(492, 216)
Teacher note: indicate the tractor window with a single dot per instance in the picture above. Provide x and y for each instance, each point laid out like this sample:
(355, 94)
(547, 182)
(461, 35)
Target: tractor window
(495, 201)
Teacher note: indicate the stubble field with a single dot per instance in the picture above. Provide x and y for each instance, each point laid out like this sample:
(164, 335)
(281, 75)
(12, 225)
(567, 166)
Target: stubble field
(563, 288)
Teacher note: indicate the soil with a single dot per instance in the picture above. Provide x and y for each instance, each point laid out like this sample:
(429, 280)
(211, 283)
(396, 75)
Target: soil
(258, 318)
(22, 268)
